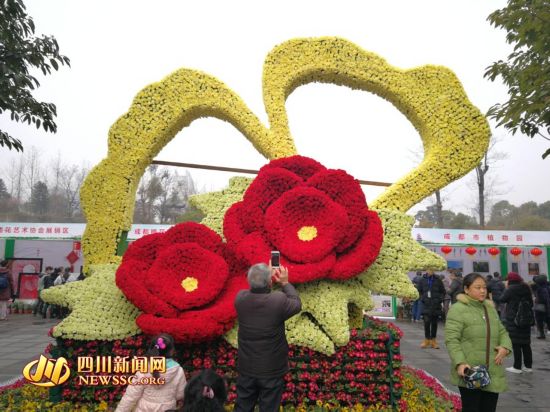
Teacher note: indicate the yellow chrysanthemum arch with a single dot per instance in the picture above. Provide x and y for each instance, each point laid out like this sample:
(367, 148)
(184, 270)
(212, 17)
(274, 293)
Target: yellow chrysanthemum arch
(431, 97)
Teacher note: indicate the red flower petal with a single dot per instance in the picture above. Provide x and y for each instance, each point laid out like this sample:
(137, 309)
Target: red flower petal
(198, 325)
(363, 253)
(143, 249)
(253, 249)
(187, 260)
(345, 190)
(305, 207)
(268, 186)
(130, 279)
(306, 272)
(305, 167)
(232, 227)
(192, 232)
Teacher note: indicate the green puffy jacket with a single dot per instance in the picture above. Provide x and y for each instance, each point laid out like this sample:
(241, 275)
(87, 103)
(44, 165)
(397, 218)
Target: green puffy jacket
(466, 339)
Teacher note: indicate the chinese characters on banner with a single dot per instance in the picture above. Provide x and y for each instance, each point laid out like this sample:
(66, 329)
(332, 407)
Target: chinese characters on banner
(482, 237)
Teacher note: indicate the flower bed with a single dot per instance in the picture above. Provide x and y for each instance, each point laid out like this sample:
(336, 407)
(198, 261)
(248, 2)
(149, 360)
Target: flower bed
(366, 370)
(357, 378)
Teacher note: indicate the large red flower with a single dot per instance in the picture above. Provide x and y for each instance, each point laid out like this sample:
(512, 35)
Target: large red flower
(185, 282)
(316, 217)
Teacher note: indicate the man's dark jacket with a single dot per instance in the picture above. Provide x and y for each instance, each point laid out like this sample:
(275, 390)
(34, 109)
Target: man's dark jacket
(496, 289)
(455, 289)
(263, 349)
(431, 302)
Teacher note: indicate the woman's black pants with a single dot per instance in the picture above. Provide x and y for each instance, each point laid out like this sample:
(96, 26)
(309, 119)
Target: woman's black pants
(476, 400)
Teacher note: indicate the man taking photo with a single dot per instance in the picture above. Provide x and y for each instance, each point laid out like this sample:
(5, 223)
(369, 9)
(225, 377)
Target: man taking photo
(263, 349)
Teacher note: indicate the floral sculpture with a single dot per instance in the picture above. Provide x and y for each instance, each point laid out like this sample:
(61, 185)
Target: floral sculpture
(339, 250)
(356, 257)
(317, 218)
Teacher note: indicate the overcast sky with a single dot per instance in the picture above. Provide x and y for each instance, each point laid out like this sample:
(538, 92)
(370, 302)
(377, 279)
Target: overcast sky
(118, 47)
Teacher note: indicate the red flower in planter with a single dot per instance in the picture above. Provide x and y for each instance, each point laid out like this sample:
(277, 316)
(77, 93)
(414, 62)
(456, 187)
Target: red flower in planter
(183, 282)
(316, 217)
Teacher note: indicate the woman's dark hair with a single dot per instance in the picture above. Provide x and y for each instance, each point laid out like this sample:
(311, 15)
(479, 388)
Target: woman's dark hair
(161, 345)
(471, 278)
(206, 391)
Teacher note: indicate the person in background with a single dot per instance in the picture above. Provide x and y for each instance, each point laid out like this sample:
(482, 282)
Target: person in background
(541, 290)
(48, 283)
(205, 392)
(496, 288)
(64, 277)
(455, 287)
(417, 305)
(432, 292)
(157, 398)
(40, 304)
(7, 292)
(81, 275)
(466, 341)
(447, 298)
(516, 291)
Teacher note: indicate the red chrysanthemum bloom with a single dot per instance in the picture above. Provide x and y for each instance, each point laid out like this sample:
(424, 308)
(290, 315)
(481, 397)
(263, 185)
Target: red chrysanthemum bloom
(184, 281)
(316, 217)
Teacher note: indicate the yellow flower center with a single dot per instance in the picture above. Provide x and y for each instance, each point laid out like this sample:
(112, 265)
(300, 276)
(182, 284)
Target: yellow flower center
(307, 233)
(189, 284)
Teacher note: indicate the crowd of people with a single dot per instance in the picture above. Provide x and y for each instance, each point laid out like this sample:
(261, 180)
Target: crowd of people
(486, 319)
(49, 278)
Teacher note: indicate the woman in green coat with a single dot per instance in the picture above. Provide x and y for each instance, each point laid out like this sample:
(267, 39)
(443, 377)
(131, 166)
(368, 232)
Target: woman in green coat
(466, 340)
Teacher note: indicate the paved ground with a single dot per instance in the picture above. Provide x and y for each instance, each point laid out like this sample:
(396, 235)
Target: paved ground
(528, 392)
(24, 337)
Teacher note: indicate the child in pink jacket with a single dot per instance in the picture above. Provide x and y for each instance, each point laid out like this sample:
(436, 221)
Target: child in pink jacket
(156, 398)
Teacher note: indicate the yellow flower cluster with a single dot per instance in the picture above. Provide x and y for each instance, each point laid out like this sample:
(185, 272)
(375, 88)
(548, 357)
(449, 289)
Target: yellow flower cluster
(399, 254)
(455, 134)
(431, 97)
(215, 204)
(31, 398)
(99, 310)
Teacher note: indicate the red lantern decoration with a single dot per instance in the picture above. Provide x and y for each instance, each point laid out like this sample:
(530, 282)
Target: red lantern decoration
(536, 251)
(493, 251)
(471, 250)
(446, 249)
(515, 251)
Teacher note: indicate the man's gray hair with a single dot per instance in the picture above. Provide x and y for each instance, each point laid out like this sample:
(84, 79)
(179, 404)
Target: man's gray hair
(259, 276)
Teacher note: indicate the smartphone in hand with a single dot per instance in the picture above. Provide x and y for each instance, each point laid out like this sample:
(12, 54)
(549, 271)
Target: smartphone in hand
(275, 259)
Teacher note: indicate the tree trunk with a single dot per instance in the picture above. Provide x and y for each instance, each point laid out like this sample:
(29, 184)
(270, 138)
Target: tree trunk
(481, 191)
(481, 170)
(439, 209)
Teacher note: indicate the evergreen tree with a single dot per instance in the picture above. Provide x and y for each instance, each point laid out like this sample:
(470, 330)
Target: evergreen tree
(4, 195)
(40, 199)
